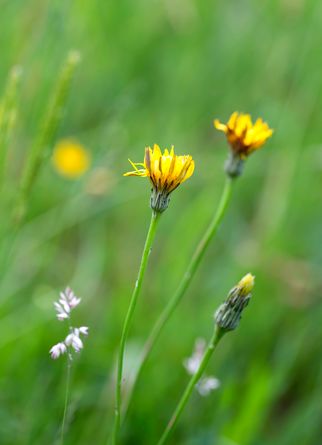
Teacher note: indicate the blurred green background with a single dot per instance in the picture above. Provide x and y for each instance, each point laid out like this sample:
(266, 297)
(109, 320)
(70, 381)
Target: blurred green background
(161, 71)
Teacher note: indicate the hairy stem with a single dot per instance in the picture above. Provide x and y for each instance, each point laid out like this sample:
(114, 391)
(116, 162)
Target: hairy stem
(186, 280)
(217, 335)
(128, 320)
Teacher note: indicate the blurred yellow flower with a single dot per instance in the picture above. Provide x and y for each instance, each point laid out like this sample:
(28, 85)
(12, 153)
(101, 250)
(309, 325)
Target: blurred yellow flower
(243, 136)
(166, 172)
(70, 158)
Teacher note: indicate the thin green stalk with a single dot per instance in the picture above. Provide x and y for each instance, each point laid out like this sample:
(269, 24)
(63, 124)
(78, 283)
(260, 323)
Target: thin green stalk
(217, 335)
(40, 149)
(186, 280)
(67, 390)
(128, 320)
(8, 111)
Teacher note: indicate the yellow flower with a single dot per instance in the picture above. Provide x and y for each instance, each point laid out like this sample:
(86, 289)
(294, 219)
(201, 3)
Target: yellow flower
(246, 284)
(70, 159)
(243, 136)
(166, 172)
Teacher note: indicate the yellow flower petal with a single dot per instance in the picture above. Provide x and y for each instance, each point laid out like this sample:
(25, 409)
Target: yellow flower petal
(243, 136)
(232, 120)
(219, 126)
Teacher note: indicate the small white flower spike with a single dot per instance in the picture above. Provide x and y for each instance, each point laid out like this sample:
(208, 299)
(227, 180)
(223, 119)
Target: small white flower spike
(64, 306)
(57, 350)
(62, 314)
(192, 364)
(70, 298)
(206, 385)
(66, 303)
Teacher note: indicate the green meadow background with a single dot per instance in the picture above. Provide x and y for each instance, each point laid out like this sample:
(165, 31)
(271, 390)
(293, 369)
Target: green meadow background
(160, 72)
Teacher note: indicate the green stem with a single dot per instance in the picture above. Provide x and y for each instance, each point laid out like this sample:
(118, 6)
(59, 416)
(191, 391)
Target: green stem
(217, 335)
(186, 280)
(128, 320)
(69, 365)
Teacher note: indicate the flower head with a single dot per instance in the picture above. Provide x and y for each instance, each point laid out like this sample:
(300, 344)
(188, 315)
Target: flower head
(166, 172)
(228, 315)
(244, 137)
(70, 159)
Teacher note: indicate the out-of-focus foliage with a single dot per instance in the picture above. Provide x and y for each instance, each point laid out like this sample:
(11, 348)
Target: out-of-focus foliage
(161, 71)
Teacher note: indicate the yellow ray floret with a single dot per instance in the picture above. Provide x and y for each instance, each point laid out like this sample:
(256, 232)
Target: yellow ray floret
(70, 158)
(166, 171)
(243, 136)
